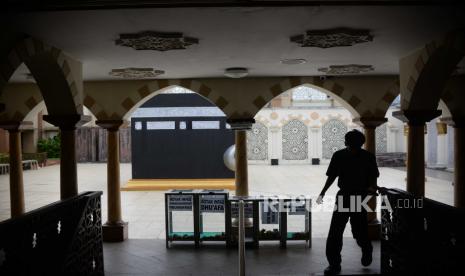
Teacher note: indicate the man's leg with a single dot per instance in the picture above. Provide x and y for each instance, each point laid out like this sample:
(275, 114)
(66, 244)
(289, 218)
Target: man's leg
(334, 241)
(359, 225)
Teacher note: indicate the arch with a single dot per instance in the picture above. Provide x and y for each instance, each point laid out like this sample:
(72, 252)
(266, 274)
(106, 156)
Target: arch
(156, 87)
(19, 100)
(453, 98)
(333, 132)
(385, 102)
(327, 86)
(295, 140)
(41, 104)
(58, 77)
(446, 113)
(426, 71)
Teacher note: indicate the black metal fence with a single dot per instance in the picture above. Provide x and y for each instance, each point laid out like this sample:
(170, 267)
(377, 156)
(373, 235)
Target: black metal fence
(421, 236)
(63, 238)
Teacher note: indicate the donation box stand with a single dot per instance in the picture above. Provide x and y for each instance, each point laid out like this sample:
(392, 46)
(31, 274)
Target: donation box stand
(181, 216)
(196, 216)
(213, 218)
(201, 216)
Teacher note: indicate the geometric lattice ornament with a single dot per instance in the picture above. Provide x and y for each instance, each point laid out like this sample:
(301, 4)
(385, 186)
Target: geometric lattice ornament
(381, 139)
(257, 142)
(295, 140)
(333, 132)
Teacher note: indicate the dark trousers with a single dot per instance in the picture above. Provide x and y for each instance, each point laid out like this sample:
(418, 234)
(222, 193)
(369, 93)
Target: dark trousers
(359, 224)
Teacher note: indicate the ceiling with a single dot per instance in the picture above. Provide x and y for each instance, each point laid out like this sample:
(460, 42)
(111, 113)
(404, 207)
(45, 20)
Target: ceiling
(253, 37)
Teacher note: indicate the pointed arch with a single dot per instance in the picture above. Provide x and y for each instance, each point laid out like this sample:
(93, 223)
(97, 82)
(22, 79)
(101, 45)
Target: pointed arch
(424, 73)
(151, 89)
(58, 76)
(327, 86)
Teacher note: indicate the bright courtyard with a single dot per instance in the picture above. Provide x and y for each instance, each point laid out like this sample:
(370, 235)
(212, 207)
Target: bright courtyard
(144, 210)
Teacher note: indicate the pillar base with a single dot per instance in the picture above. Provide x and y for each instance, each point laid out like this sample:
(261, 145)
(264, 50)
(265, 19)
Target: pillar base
(115, 232)
(374, 230)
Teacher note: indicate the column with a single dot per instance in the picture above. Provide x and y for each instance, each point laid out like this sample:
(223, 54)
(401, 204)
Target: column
(242, 182)
(416, 120)
(393, 141)
(273, 140)
(459, 164)
(115, 229)
(16, 167)
(315, 141)
(459, 159)
(442, 145)
(369, 126)
(240, 126)
(68, 163)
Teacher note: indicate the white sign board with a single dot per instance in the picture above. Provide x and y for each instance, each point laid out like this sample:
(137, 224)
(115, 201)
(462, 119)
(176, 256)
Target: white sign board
(297, 208)
(212, 203)
(270, 214)
(248, 210)
(180, 202)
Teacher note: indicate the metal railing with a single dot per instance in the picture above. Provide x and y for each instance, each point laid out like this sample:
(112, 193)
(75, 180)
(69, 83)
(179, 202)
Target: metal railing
(63, 238)
(241, 239)
(421, 236)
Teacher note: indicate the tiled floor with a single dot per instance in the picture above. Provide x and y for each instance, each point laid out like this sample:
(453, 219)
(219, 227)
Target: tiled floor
(145, 210)
(145, 254)
(150, 257)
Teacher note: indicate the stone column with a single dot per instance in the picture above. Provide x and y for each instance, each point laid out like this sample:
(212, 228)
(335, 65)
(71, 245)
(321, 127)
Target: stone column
(315, 141)
(459, 164)
(369, 126)
(274, 142)
(16, 167)
(416, 120)
(68, 163)
(240, 126)
(442, 145)
(242, 182)
(115, 229)
(393, 140)
(459, 159)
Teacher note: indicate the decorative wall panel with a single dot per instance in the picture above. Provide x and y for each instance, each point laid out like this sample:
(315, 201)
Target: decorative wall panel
(257, 142)
(334, 131)
(381, 139)
(295, 140)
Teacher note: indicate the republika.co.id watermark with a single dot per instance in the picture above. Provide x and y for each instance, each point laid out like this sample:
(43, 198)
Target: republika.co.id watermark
(340, 203)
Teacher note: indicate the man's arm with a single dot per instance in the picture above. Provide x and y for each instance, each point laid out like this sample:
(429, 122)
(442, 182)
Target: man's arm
(329, 182)
(373, 185)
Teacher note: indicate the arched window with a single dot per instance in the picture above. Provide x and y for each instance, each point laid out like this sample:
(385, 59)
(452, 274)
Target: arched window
(304, 93)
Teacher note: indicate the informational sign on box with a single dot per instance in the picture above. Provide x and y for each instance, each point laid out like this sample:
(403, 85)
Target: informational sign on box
(297, 208)
(212, 203)
(248, 210)
(180, 202)
(270, 214)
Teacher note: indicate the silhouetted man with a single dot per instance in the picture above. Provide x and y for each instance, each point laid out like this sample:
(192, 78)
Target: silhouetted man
(357, 171)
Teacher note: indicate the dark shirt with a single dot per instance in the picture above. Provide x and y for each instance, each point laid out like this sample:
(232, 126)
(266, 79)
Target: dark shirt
(354, 169)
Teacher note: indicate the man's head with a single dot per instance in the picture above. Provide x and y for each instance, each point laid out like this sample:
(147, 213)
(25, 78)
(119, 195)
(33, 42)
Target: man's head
(354, 139)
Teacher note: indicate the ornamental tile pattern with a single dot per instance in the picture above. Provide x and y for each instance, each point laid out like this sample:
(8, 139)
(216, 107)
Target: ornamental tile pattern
(381, 139)
(257, 142)
(295, 140)
(333, 133)
(156, 41)
(337, 37)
